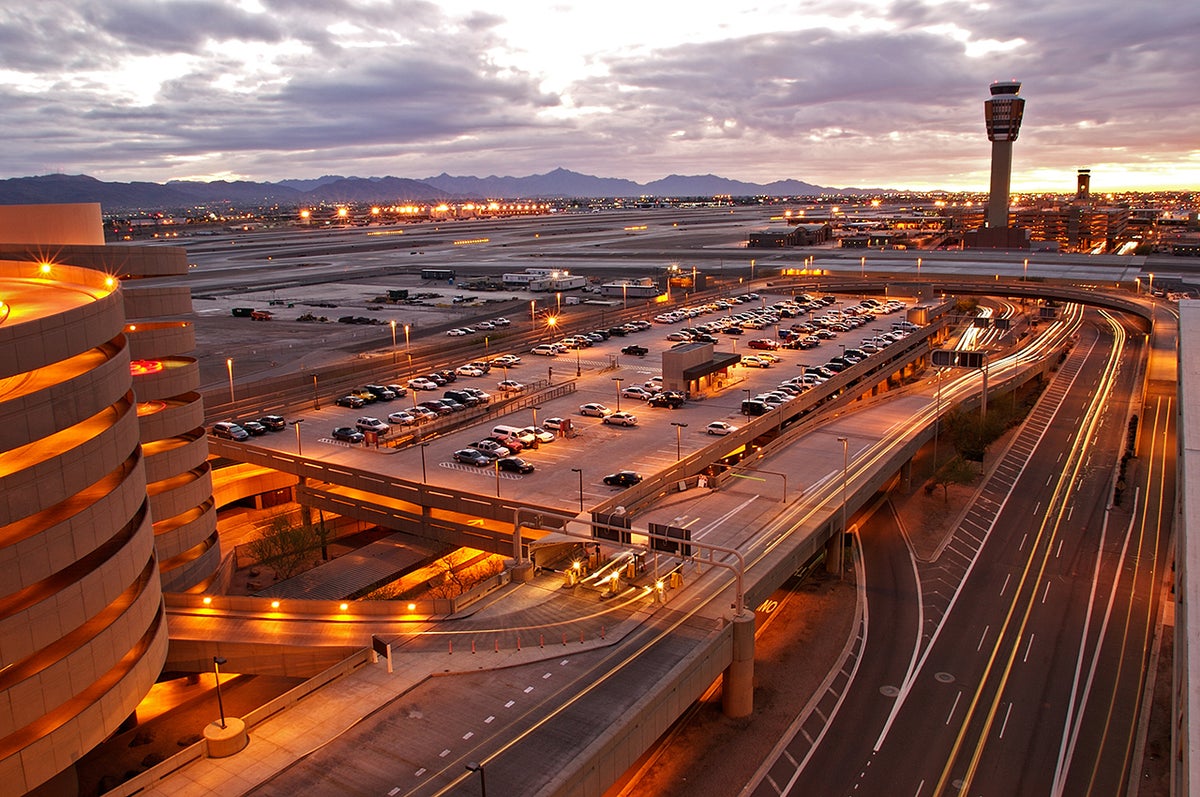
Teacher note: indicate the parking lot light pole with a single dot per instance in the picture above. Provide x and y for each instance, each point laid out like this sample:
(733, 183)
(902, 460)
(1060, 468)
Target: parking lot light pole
(393, 326)
(229, 367)
(217, 662)
(618, 380)
(424, 479)
(535, 409)
(678, 428)
(496, 465)
(299, 446)
(580, 472)
(845, 441)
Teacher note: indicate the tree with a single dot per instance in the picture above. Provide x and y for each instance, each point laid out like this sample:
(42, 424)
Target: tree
(955, 471)
(284, 546)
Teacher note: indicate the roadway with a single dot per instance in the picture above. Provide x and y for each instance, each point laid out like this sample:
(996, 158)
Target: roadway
(1027, 677)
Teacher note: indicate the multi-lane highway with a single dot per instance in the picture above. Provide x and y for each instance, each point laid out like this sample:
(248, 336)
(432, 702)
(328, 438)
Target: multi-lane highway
(1018, 656)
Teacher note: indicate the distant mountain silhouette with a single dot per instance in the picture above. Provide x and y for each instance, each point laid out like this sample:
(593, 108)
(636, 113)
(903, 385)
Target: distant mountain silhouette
(557, 184)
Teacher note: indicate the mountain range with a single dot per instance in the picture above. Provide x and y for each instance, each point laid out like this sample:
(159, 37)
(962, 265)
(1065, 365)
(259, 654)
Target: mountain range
(557, 184)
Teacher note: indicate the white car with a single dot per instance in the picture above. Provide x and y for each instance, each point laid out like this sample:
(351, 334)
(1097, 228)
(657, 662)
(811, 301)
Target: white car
(594, 410)
(637, 392)
(753, 361)
(501, 322)
(403, 418)
(485, 325)
(506, 361)
(468, 370)
(510, 386)
(721, 428)
(621, 419)
(456, 333)
(545, 350)
(421, 383)
(539, 434)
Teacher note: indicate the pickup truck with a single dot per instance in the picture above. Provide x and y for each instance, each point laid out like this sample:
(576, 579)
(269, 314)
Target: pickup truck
(636, 351)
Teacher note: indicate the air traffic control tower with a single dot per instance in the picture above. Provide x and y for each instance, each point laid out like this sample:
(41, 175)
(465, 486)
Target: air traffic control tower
(1002, 112)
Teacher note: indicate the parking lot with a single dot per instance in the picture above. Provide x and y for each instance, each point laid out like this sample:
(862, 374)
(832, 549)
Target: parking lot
(596, 448)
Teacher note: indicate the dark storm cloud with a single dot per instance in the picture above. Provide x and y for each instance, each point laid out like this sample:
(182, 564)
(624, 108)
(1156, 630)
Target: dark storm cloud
(382, 86)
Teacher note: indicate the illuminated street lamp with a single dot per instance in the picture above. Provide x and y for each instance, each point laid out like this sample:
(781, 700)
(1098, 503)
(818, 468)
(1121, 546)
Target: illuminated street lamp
(580, 472)
(1025, 276)
(496, 467)
(217, 662)
(393, 325)
(678, 440)
(551, 326)
(533, 312)
(618, 380)
(229, 367)
(624, 295)
(845, 441)
(299, 446)
(424, 478)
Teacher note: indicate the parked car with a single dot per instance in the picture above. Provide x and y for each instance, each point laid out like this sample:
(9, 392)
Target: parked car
(230, 431)
(350, 400)
(637, 392)
(253, 427)
(511, 442)
(348, 434)
(554, 424)
(506, 361)
(468, 370)
(493, 449)
(436, 406)
(403, 418)
(594, 410)
(514, 464)
(623, 478)
(370, 424)
(275, 423)
(720, 428)
(471, 456)
(422, 383)
(670, 399)
(754, 361)
(510, 386)
(398, 390)
(539, 434)
(635, 351)
(621, 419)
(545, 350)
(381, 392)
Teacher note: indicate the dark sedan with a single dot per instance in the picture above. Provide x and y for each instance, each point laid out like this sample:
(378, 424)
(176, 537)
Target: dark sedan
(469, 456)
(623, 478)
(350, 401)
(275, 423)
(514, 464)
(348, 434)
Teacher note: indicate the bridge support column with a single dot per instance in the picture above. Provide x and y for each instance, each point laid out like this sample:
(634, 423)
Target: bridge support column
(834, 553)
(906, 475)
(737, 684)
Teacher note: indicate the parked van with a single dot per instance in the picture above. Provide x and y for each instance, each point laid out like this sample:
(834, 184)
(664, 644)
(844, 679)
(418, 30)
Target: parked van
(545, 349)
(462, 397)
(755, 407)
(525, 436)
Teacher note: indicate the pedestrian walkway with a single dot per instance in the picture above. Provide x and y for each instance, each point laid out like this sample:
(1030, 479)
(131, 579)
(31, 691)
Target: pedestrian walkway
(350, 574)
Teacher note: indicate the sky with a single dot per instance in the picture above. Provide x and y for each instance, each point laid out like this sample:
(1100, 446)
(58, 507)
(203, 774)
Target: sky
(839, 93)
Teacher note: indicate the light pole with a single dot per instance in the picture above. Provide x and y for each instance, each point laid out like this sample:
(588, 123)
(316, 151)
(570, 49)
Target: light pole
(496, 467)
(937, 418)
(217, 662)
(678, 428)
(533, 313)
(474, 766)
(535, 409)
(862, 264)
(624, 295)
(316, 395)
(424, 479)
(1025, 276)
(578, 367)
(299, 446)
(918, 268)
(618, 380)
(229, 367)
(551, 324)
(580, 472)
(558, 301)
(845, 441)
(393, 326)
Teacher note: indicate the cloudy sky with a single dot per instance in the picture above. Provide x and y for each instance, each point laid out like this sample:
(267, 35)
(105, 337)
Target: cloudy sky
(834, 92)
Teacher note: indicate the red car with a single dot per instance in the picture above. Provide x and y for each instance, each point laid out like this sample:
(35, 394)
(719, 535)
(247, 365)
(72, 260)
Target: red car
(764, 343)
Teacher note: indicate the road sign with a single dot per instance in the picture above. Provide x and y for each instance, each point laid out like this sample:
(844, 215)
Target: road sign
(949, 358)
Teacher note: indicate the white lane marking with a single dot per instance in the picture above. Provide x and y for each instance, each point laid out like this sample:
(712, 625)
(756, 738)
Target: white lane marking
(1005, 723)
(1059, 551)
(444, 753)
(528, 689)
(1005, 586)
(490, 720)
(510, 704)
(1021, 547)
(950, 716)
(719, 521)
(1047, 592)
(1028, 648)
(547, 675)
(982, 637)
(467, 736)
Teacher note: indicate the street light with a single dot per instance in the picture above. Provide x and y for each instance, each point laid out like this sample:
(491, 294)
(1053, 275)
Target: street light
(551, 325)
(678, 427)
(533, 312)
(624, 295)
(229, 367)
(424, 479)
(845, 441)
(496, 467)
(299, 446)
(580, 472)
(535, 409)
(392, 323)
(474, 766)
(217, 662)
(618, 380)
